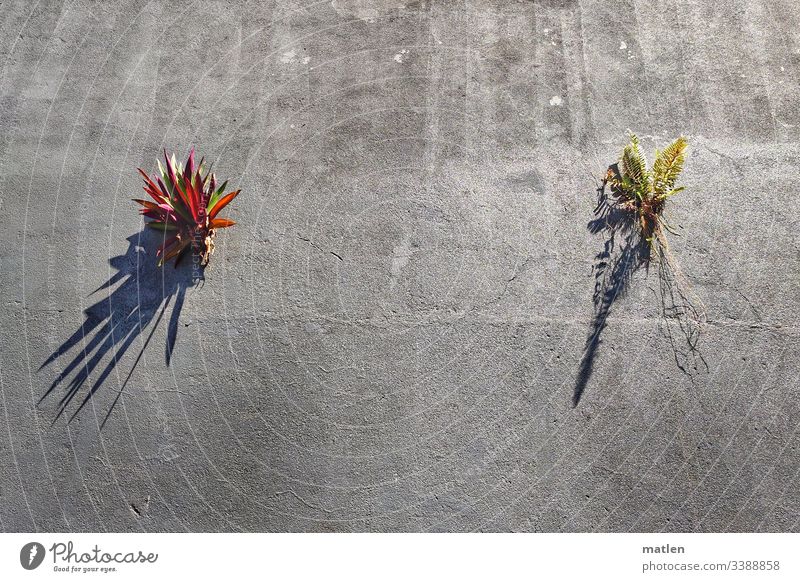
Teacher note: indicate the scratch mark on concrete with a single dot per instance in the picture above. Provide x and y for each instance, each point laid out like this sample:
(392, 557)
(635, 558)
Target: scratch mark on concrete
(301, 500)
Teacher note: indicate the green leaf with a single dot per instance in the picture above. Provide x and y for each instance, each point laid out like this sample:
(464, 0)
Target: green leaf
(668, 166)
(162, 172)
(217, 195)
(162, 226)
(215, 209)
(634, 167)
(174, 251)
(672, 192)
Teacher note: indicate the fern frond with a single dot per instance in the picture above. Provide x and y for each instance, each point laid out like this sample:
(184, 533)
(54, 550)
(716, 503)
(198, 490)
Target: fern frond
(667, 166)
(669, 193)
(634, 168)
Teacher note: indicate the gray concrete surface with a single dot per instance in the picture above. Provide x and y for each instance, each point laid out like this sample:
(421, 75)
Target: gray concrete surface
(389, 340)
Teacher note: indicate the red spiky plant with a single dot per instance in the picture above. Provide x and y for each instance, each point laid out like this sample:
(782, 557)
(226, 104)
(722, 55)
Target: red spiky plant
(185, 206)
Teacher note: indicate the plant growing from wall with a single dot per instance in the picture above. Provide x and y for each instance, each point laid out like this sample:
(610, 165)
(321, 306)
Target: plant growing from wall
(644, 193)
(630, 210)
(185, 205)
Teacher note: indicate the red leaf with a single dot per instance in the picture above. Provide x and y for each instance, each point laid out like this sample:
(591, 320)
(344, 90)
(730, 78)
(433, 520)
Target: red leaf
(189, 169)
(146, 203)
(170, 241)
(222, 203)
(221, 223)
(177, 202)
(176, 250)
(182, 194)
(201, 196)
(191, 194)
(150, 187)
(171, 170)
(163, 188)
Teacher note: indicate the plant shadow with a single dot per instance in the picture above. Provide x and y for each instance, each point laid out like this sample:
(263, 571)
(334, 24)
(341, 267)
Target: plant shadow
(624, 253)
(137, 294)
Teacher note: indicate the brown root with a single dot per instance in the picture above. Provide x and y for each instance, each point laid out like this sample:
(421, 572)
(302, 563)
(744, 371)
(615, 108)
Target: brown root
(681, 308)
(208, 249)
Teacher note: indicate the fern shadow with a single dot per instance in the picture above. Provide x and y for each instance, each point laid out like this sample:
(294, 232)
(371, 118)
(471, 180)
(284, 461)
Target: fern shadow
(137, 294)
(624, 253)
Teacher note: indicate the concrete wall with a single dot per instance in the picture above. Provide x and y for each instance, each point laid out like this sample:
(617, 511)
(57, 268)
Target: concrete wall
(391, 337)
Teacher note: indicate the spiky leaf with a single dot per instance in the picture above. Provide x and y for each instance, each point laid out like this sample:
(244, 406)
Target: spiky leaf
(634, 168)
(667, 167)
(186, 201)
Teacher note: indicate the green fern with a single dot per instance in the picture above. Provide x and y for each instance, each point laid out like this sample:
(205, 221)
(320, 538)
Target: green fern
(636, 178)
(667, 168)
(644, 191)
(638, 196)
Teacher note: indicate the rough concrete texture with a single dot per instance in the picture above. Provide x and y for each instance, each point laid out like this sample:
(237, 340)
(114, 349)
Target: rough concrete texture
(390, 338)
